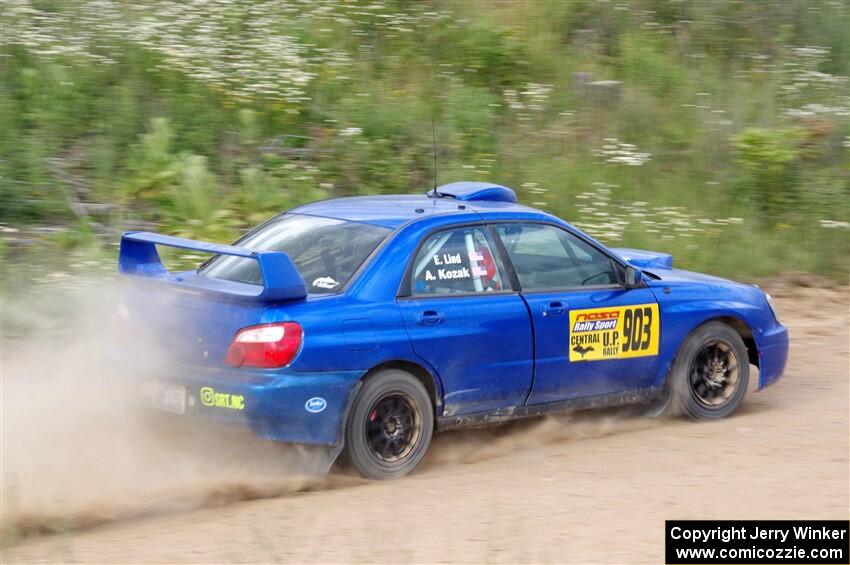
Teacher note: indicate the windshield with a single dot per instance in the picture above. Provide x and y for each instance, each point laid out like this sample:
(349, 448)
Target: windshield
(325, 251)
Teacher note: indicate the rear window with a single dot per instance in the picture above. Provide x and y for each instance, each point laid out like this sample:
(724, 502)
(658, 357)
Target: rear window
(325, 251)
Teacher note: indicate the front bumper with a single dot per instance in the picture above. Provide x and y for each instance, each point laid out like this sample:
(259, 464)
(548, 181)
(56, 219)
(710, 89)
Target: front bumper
(773, 354)
(282, 406)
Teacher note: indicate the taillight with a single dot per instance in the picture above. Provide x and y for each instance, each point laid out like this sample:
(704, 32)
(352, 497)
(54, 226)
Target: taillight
(266, 346)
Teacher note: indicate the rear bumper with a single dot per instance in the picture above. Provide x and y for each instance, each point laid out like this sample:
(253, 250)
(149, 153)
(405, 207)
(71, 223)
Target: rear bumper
(283, 406)
(773, 354)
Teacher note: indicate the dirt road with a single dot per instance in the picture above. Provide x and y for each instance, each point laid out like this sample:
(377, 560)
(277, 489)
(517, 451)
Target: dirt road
(589, 489)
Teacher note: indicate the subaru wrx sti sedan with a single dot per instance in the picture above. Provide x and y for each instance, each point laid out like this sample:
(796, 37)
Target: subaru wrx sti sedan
(370, 323)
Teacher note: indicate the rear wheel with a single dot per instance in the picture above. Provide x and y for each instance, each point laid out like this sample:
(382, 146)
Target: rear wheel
(711, 373)
(389, 426)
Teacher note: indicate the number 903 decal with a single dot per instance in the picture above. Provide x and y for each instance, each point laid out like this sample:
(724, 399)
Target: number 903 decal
(614, 333)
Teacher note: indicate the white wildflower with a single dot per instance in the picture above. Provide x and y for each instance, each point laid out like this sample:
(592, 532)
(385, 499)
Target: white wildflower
(350, 132)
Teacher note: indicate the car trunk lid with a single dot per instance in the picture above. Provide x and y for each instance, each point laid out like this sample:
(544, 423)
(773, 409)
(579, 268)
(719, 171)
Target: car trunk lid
(191, 318)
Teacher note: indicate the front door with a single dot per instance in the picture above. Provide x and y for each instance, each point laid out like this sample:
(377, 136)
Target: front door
(467, 322)
(592, 336)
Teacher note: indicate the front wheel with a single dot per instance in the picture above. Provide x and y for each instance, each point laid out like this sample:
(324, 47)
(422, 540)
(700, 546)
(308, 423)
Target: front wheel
(711, 373)
(389, 425)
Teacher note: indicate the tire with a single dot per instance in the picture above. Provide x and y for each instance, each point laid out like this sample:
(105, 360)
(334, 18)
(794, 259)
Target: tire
(389, 426)
(710, 375)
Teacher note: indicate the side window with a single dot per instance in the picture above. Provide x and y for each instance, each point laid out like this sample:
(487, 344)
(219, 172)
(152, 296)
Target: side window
(458, 261)
(549, 258)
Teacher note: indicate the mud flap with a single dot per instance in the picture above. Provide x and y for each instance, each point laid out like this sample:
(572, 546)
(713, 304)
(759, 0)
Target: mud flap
(336, 449)
(661, 405)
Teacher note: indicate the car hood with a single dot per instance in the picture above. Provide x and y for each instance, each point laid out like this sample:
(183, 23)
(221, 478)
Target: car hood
(672, 276)
(700, 283)
(659, 266)
(676, 289)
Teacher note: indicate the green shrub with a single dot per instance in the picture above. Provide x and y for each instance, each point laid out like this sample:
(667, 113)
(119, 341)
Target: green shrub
(770, 160)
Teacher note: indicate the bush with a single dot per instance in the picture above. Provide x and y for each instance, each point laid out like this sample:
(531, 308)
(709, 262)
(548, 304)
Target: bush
(770, 160)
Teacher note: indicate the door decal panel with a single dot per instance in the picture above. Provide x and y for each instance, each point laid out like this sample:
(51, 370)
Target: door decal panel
(621, 332)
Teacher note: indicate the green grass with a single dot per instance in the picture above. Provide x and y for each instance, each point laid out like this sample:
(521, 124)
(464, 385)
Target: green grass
(740, 109)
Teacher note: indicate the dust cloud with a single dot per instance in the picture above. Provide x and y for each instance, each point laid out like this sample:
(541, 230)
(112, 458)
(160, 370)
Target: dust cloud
(80, 447)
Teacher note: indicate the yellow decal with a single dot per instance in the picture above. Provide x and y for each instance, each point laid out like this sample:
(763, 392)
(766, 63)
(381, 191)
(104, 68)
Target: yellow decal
(209, 397)
(614, 333)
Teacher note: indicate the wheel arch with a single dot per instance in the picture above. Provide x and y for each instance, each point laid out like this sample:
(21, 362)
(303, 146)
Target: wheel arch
(428, 379)
(741, 328)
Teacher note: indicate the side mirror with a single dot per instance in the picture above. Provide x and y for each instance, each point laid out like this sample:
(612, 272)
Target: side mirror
(633, 277)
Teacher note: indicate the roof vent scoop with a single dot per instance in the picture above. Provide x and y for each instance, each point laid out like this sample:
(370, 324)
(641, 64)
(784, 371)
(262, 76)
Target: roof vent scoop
(474, 192)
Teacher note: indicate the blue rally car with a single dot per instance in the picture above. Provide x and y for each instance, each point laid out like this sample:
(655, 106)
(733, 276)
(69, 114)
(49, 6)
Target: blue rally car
(369, 323)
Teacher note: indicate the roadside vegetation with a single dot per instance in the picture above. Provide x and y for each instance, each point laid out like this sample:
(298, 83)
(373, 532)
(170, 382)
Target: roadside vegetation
(717, 131)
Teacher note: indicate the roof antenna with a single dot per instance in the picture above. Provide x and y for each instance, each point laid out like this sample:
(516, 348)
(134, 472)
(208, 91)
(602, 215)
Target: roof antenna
(434, 136)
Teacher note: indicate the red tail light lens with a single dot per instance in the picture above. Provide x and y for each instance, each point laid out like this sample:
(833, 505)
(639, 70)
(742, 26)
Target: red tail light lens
(267, 346)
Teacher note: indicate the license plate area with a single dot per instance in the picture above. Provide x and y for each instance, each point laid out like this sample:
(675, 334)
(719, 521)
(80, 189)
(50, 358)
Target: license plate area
(168, 397)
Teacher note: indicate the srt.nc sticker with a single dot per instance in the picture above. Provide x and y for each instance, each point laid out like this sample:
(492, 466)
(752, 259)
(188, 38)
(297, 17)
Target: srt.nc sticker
(614, 333)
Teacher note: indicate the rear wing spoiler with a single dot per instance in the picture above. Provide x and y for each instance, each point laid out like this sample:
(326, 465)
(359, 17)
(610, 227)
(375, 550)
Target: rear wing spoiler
(281, 280)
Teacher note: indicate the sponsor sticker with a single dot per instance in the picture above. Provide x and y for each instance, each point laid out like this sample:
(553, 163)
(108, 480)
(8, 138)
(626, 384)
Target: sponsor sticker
(325, 282)
(315, 405)
(216, 399)
(614, 333)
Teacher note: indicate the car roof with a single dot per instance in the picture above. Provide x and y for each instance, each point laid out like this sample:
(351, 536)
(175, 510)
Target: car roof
(391, 211)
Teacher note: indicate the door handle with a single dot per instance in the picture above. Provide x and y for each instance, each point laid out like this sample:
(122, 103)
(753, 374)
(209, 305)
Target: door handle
(430, 318)
(556, 308)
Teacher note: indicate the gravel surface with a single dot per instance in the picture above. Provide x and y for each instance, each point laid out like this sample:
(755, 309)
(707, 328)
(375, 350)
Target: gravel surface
(582, 489)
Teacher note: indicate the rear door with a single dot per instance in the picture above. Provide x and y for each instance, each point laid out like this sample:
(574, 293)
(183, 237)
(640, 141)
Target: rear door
(592, 336)
(465, 320)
